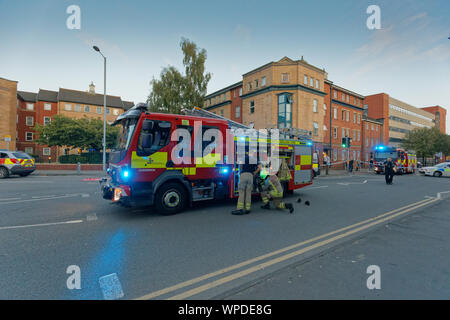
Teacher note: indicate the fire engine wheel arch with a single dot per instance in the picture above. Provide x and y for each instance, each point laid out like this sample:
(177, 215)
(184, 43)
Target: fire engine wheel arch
(171, 178)
(4, 172)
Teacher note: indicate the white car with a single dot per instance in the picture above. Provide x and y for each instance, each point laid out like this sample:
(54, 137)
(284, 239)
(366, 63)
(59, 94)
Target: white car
(439, 170)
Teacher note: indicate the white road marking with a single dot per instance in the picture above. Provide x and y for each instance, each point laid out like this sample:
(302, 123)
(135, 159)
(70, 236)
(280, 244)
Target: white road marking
(9, 199)
(27, 182)
(318, 187)
(40, 199)
(91, 217)
(348, 183)
(41, 225)
(46, 196)
(111, 287)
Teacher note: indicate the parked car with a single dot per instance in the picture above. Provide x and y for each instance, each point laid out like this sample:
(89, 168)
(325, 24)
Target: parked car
(15, 162)
(439, 170)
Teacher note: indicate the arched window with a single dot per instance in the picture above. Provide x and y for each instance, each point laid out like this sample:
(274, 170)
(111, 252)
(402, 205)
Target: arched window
(284, 110)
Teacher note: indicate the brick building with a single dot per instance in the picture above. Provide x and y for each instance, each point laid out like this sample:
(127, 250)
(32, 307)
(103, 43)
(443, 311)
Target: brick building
(8, 112)
(40, 108)
(226, 102)
(400, 117)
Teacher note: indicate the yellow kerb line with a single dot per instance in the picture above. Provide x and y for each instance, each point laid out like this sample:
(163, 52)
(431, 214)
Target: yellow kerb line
(273, 253)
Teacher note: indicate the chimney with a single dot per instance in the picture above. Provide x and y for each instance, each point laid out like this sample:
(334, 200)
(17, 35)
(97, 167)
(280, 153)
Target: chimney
(92, 88)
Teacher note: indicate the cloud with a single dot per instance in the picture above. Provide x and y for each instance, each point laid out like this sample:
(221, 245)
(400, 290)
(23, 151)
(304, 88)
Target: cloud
(417, 17)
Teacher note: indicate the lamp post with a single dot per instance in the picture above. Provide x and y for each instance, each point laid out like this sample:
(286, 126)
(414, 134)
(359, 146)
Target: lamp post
(104, 106)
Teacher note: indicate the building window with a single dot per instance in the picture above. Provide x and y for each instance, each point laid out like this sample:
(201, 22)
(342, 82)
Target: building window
(315, 128)
(335, 135)
(68, 107)
(240, 91)
(238, 112)
(335, 155)
(256, 83)
(372, 126)
(359, 118)
(354, 117)
(354, 135)
(335, 95)
(343, 115)
(317, 84)
(30, 106)
(108, 111)
(78, 107)
(284, 110)
(29, 150)
(116, 112)
(221, 112)
(325, 107)
(29, 136)
(371, 141)
(348, 98)
(48, 106)
(335, 113)
(348, 132)
(343, 132)
(46, 120)
(99, 110)
(29, 121)
(367, 142)
(224, 96)
(87, 109)
(46, 151)
(348, 116)
(325, 127)
(252, 106)
(249, 86)
(263, 81)
(376, 127)
(311, 82)
(285, 77)
(305, 79)
(315, 105)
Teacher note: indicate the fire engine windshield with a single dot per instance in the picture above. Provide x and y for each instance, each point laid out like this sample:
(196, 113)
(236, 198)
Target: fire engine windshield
(382, 156)
(125, 135)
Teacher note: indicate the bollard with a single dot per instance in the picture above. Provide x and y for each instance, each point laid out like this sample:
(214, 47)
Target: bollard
(78, 167)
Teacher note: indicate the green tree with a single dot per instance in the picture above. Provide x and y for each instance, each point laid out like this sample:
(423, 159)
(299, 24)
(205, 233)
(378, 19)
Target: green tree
(426, 142)
(175, 91)
(72, 133)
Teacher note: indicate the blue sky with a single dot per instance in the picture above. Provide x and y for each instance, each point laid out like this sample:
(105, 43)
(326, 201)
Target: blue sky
(409, 58)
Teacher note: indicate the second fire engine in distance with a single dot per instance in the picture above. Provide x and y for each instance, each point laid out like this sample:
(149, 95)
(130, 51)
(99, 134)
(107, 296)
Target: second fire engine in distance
(404, 161)
(145, 168)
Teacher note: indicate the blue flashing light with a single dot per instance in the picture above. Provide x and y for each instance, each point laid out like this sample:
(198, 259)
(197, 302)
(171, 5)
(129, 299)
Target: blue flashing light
(224, 170)
(125, 174)
(309, 143)
(242, 138)
(379, 148)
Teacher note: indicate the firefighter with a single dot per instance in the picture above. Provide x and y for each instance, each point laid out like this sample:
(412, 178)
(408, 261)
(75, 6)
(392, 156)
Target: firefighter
(389, 171)
(272, 190)
(284, 175)
(247, 173)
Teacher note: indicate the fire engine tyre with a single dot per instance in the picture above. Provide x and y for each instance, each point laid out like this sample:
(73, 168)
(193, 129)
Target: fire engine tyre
(4, 173)
(170, 199)
(437, 174)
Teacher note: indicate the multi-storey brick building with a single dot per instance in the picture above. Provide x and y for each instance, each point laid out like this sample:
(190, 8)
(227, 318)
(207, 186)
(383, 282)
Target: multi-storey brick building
(400, 117)
(8, 112)
(40, 108)
(440, 116)
(226, 102)
(372, 136)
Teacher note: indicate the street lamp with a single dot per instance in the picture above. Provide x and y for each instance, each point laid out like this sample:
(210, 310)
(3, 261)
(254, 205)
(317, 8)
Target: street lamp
(104, 106)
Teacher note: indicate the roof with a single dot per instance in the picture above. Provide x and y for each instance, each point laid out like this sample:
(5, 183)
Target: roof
(286, 60)
(27, 96)
(89, 98)
(47, 95)
(128, 104)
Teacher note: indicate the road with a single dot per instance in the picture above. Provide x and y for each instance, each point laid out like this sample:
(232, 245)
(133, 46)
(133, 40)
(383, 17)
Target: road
(48, 223)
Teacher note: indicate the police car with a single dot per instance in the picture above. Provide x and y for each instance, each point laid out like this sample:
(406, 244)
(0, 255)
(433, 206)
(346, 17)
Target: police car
(439, 170)
(15, 162)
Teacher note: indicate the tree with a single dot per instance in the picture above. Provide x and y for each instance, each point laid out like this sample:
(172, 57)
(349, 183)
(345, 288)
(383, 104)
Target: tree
(175, 91)
(72, 133)
(426, 142)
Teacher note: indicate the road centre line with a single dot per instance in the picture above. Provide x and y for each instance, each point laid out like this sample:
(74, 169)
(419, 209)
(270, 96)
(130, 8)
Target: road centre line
(270, 254)
(269, 263)
(41, 225)
(9, 199)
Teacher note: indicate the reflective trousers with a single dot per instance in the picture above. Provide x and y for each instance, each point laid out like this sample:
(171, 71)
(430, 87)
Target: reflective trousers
(245, 191)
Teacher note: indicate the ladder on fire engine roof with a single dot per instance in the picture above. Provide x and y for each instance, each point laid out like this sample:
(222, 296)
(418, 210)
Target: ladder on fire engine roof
(287, 133)
(199, 112)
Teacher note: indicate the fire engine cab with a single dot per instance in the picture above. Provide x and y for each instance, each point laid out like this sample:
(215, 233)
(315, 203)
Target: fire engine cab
(154, 162)
(404, 161)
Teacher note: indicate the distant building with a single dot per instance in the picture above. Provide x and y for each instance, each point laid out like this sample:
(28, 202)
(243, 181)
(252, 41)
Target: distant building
(41, 107)
(8, 112)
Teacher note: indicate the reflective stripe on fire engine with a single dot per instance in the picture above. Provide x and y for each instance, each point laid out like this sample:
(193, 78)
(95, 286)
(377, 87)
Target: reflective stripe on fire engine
(156, 160)
(303, 162)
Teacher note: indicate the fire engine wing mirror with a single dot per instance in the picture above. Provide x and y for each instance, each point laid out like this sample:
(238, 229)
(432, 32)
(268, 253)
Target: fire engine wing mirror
(147, 140)
(147, 125)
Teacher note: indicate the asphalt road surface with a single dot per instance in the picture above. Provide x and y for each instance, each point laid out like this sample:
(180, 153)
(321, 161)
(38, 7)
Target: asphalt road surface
(48, 224)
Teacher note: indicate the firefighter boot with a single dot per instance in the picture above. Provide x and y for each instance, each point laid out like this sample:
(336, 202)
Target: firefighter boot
(266, 206)
(289, 206)
(238, 212)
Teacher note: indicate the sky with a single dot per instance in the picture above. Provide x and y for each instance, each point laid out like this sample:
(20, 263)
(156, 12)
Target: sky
(408, 58)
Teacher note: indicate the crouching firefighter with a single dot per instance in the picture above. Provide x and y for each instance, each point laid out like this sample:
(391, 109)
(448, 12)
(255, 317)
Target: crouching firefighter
(247, 173)
(272, 190)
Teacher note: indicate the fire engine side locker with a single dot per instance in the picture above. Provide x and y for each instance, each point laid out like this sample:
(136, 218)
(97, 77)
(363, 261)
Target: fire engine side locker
(303, 156)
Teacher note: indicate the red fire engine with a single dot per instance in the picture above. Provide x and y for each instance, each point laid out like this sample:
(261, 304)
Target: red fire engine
(144, 169)
(404, 161)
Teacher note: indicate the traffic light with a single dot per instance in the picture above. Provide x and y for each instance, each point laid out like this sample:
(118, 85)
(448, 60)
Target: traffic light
(344, 142)
(349, 142)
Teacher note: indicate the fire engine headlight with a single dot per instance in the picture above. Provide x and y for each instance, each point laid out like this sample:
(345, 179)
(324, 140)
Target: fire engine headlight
(117, 194)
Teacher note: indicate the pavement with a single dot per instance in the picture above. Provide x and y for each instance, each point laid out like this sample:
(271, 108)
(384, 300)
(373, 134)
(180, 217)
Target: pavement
(67, 173)
(48, 224)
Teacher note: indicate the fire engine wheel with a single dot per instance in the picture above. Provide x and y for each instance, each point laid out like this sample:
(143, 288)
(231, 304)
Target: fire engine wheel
(4, 173)
(170, 199)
